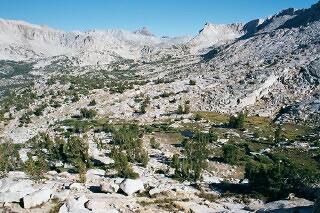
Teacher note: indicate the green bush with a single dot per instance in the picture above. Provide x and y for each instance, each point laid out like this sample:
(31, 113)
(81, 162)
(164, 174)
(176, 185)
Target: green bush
(128, 138)
(237, 122)
(197, 117)
(46, 150)
(186, 108)
(82, 170)
(278, 134)
(92, 103)
(192, 82)
(88, 113)
(75, 98)
(166, 94)
(121, 164)
(279, 177)
(211, 136)
(180, 110)
(144, 105)
(154, 144)
(76, 149)
(25, 119)
(39, 111)
(143, 157)
(100, 144)
(36, 168)
(232, 154)
(9, 158)
(191, 166)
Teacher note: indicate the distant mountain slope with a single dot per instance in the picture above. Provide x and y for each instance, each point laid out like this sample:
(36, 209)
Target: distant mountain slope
(23, 41)
(20, 41)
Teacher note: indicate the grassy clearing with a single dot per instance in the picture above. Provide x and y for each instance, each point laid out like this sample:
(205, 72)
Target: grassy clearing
(167, 204)
(294, 131)
(214, 116)
(168, 138)
(208, 196)
(261, 126)
(191, 126)
(301, 158)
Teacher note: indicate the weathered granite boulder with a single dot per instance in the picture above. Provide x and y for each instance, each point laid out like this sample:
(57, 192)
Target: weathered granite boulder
(109, 187)
(130, 186)
(37, 198)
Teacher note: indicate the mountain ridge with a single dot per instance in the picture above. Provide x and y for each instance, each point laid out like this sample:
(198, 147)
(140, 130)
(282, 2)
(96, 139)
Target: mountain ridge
(21, 40)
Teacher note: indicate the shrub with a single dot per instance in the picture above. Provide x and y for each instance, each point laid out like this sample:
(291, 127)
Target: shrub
(100, 144)
(121, 164)
(76, 149)
(166, 94)
(143, 158)
(154, 144)
(75, 98)
(175, 161)
(126, 135)
(36, 168)
(186, 108)
(144, 105)
(88, 113)
(191, 166)
(39, 110)
(82, 170)
(278, 134)
(210, 137)
(276, 179)
(180, 110)
(237, 122)
(24, 119)
(92, 103)
(232, 154)
(128, 139)
(46, 149)
(192, 82)
(197, 117)
(45, 146)
(9, 158)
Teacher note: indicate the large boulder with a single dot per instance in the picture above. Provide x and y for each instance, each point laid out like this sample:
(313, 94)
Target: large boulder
(314, 68)
(130, 186)
(37, 198)
(77, 187)
(61, 195)
(12, 191)
(294, 205)
(75, 205)
(109, 187)
(98, 172)
(100, 206)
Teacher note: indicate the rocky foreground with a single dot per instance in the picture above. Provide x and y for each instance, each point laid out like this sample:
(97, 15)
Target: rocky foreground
(62, 193)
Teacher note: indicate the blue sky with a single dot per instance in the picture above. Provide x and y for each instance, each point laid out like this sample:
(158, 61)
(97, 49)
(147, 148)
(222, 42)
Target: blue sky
(162, 17)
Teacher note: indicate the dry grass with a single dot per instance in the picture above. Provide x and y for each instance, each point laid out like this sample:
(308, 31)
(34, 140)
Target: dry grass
(214, 117)
(168, 138)
(207, 196)
(167, 204)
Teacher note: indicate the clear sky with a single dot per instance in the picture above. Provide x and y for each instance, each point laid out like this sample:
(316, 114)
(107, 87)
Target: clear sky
(162, 17)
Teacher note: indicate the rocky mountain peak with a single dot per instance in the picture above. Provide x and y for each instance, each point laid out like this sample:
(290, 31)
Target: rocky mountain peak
(144, 31)
(304, 17)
